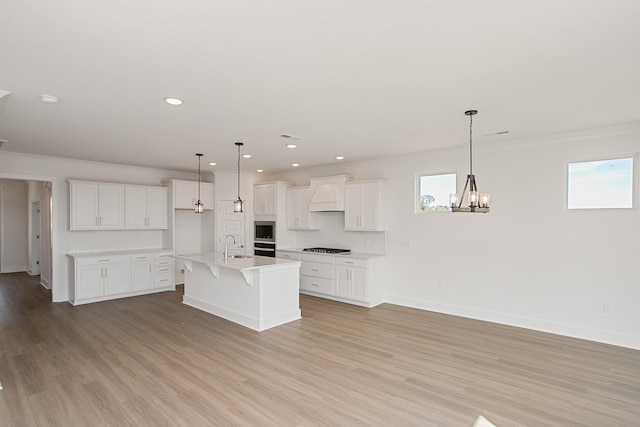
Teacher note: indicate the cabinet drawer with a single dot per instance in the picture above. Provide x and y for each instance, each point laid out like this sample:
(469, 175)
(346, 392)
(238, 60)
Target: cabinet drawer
(326, 259)
(163, 280)
(288, 255)
(163, 269)
(141, 257)
(316, 284)
(352, 262)
(163, 260)
(102, 259)
(317, 269)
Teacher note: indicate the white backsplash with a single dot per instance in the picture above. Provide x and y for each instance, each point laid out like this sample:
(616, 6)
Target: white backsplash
(333, 235)
(112, 240)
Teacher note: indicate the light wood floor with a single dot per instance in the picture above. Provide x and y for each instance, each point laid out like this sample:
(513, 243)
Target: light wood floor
(152, 361)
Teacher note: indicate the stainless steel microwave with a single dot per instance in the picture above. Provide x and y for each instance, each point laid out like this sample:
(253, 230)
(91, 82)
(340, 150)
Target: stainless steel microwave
(265, 231)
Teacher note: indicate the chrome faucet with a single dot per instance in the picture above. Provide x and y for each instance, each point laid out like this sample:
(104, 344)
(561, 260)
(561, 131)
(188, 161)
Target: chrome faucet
(226, 246)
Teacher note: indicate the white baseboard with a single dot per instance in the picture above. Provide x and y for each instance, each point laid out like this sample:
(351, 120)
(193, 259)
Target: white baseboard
(542, 325)
(45, 283)
(14, 269)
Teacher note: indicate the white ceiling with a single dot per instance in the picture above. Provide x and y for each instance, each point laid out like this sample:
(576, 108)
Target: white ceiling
(358, 78)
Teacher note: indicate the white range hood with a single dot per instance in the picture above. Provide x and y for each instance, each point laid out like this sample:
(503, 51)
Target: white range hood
(327, 194)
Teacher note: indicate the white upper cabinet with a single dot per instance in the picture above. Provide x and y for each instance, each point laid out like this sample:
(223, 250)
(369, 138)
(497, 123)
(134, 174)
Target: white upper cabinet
(146, 207)
(96, 206)
(264, 199)
(364, 206)
(186, 194)
(298, 215)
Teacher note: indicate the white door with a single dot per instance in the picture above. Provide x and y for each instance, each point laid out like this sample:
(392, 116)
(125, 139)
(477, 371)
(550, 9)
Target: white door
(35, 238)
(230, 223)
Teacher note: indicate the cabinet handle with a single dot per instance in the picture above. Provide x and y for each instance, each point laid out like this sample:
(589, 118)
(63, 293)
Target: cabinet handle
(348, 262)
(164, 280)
(314, 284)
(103, 260)
(314, 269)
(149, 268)
(97, 221)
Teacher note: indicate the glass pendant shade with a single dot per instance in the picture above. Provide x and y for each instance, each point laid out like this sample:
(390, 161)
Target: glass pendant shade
(238, 206)
(199, 207)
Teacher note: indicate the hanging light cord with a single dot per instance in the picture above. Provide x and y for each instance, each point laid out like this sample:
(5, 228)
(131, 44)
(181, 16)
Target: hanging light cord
(238, 171)
(199, 177)
(470, 144)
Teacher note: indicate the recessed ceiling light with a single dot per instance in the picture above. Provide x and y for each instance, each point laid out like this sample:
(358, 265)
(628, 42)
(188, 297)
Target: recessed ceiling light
(212, 163)
(246, 156)
(49, 98)
(339, 157)
(260, 170)
(295, 165)
(291, 145)
(173, 101)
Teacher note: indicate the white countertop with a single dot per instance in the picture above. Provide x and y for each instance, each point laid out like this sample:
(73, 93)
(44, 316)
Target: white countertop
(83, 254)
(250, 263)
(359, 255)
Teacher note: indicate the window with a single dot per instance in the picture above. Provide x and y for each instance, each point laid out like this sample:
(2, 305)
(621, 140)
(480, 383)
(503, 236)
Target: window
(434, 191)
(601, 184)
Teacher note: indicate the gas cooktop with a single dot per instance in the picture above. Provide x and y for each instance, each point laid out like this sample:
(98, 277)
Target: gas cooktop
(328, 251)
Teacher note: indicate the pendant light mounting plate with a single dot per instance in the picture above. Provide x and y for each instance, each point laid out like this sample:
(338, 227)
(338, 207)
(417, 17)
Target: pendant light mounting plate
(471, 112)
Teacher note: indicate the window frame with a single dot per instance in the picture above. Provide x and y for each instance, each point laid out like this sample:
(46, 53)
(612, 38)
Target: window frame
(634, 180)
(418, 187)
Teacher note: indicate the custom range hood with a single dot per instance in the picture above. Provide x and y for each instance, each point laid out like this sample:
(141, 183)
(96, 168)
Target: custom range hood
(327, 194)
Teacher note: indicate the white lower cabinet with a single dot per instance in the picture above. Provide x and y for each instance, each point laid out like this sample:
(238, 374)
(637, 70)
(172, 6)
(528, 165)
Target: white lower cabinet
(317, 274)
(351, 279)
(163, 270)
(141, 272)
(101, 278)
(342, 278)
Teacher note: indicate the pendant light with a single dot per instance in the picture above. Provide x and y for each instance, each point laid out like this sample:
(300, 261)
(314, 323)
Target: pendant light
(477, 202)
(199, 205)
(238, 204)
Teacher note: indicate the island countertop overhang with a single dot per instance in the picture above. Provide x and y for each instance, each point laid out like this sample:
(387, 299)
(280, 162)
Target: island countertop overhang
(242, 264)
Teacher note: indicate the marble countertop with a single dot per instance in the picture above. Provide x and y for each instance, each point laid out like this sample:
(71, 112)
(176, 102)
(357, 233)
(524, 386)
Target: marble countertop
(358, 255)
(249, 263)
(83, 254)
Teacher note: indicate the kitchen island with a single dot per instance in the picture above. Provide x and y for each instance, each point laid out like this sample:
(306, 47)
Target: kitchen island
(256, 292)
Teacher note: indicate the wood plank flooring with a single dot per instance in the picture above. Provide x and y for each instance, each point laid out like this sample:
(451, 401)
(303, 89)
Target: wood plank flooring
(152, 361)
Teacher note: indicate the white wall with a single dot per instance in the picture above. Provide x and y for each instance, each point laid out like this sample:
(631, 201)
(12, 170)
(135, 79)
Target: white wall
(15, 215)
(530, 262)
(58, 171)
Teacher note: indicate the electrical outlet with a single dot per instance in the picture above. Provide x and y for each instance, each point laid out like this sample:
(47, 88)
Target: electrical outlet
(606, 308)
(404, 243)
(440, 287)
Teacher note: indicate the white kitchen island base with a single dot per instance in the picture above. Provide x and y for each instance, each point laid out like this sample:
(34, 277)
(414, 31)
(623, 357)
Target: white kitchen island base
(256, 292)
